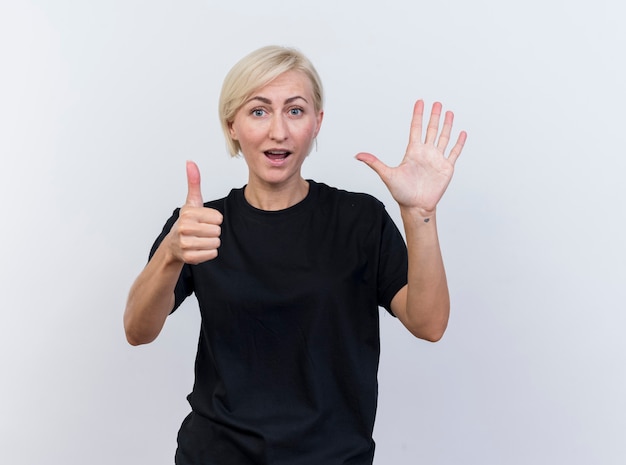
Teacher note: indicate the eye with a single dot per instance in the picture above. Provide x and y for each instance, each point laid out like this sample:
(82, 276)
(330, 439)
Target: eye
(258, 112)
(295, 111)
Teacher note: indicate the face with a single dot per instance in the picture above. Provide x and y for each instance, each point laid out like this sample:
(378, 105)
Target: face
(276, 128)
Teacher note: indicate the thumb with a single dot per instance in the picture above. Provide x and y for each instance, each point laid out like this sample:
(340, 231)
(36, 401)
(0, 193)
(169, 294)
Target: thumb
(374, 163)
(194, 195)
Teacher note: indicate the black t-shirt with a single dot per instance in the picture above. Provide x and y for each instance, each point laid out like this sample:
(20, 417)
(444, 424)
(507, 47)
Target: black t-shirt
(286, 369)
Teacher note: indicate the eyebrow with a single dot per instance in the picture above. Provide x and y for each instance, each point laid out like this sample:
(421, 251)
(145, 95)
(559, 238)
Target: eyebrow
(269, 102)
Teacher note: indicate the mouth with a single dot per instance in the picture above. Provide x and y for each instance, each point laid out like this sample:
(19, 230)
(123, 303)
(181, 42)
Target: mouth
(277, 155)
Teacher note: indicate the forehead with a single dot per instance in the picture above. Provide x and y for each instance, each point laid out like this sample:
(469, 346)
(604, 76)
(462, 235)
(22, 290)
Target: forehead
(289, 84)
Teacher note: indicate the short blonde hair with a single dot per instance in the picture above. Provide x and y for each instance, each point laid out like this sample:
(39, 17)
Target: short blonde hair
(256, 70)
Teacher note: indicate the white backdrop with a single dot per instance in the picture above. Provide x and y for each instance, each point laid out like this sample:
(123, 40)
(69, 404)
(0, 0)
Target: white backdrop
(101, 103)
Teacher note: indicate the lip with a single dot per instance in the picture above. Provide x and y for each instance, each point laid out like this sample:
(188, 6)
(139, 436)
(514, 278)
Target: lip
(277, 156)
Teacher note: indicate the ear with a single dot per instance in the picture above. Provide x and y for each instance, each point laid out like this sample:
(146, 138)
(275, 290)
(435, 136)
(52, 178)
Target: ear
(231, 130)
(320, 117)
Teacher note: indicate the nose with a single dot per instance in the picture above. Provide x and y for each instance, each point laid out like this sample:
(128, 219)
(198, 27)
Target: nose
(278, 128)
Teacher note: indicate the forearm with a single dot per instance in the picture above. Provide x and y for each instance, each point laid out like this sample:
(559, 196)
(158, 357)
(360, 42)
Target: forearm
(151, 297)
(417, 184)
(427, 299)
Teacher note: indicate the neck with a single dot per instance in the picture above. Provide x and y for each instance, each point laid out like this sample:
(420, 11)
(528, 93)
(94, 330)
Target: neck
(274, 198)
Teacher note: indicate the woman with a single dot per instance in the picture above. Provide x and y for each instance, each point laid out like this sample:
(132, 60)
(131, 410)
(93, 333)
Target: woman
(288, 352)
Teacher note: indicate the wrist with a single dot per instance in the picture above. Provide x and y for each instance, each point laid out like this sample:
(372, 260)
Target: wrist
(418, 215)
(170, 254)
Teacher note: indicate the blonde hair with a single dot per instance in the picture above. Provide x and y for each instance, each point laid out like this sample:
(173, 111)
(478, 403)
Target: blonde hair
(256, 70)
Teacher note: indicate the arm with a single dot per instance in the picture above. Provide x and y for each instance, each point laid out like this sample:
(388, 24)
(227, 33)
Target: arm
(193, 239)
(417, 184)
(151, 297)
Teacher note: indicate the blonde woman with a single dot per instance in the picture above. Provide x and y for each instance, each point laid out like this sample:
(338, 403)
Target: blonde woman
(289, 275)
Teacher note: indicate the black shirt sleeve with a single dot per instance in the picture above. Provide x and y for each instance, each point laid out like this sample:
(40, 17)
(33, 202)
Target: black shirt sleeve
(393, 264)
(184, 286)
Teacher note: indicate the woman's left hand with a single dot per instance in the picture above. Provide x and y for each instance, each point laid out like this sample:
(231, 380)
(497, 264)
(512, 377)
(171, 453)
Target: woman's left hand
(425, 172)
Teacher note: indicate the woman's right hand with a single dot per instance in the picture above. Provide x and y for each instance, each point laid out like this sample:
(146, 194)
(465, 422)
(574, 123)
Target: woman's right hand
(195, 237)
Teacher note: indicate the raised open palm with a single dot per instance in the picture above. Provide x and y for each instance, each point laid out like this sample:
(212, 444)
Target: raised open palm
(425, 171)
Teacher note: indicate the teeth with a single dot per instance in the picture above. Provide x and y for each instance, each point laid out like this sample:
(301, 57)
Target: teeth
(277, 154)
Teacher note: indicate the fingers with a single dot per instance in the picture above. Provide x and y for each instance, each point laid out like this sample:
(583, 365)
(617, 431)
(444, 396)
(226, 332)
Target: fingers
(444, 137)
(202, 215)
(194, 194)
(433, 124)
(415, 136)
(197, 234)
(197, 231)
(433, 128)
(378, 166)
(458, 147)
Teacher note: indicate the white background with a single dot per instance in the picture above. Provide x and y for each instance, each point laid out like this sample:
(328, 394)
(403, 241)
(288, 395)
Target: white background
(101, 103)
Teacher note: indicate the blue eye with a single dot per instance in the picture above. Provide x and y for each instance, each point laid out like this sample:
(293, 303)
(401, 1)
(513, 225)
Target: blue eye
(295, 111)
(258, 112)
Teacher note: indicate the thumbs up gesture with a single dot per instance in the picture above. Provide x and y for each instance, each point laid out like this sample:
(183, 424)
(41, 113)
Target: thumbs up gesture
(195, 237)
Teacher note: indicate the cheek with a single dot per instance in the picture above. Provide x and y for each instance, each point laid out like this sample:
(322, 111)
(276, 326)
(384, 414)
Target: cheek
(238, 131)
(247, 136)
(309, 132)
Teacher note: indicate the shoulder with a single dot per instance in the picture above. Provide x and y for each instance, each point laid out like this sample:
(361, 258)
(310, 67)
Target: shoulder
(345, 199)
(217, 204)
(220, 204)
(349, 208)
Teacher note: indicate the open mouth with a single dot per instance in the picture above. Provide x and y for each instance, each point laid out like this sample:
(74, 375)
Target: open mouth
(277, 155)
